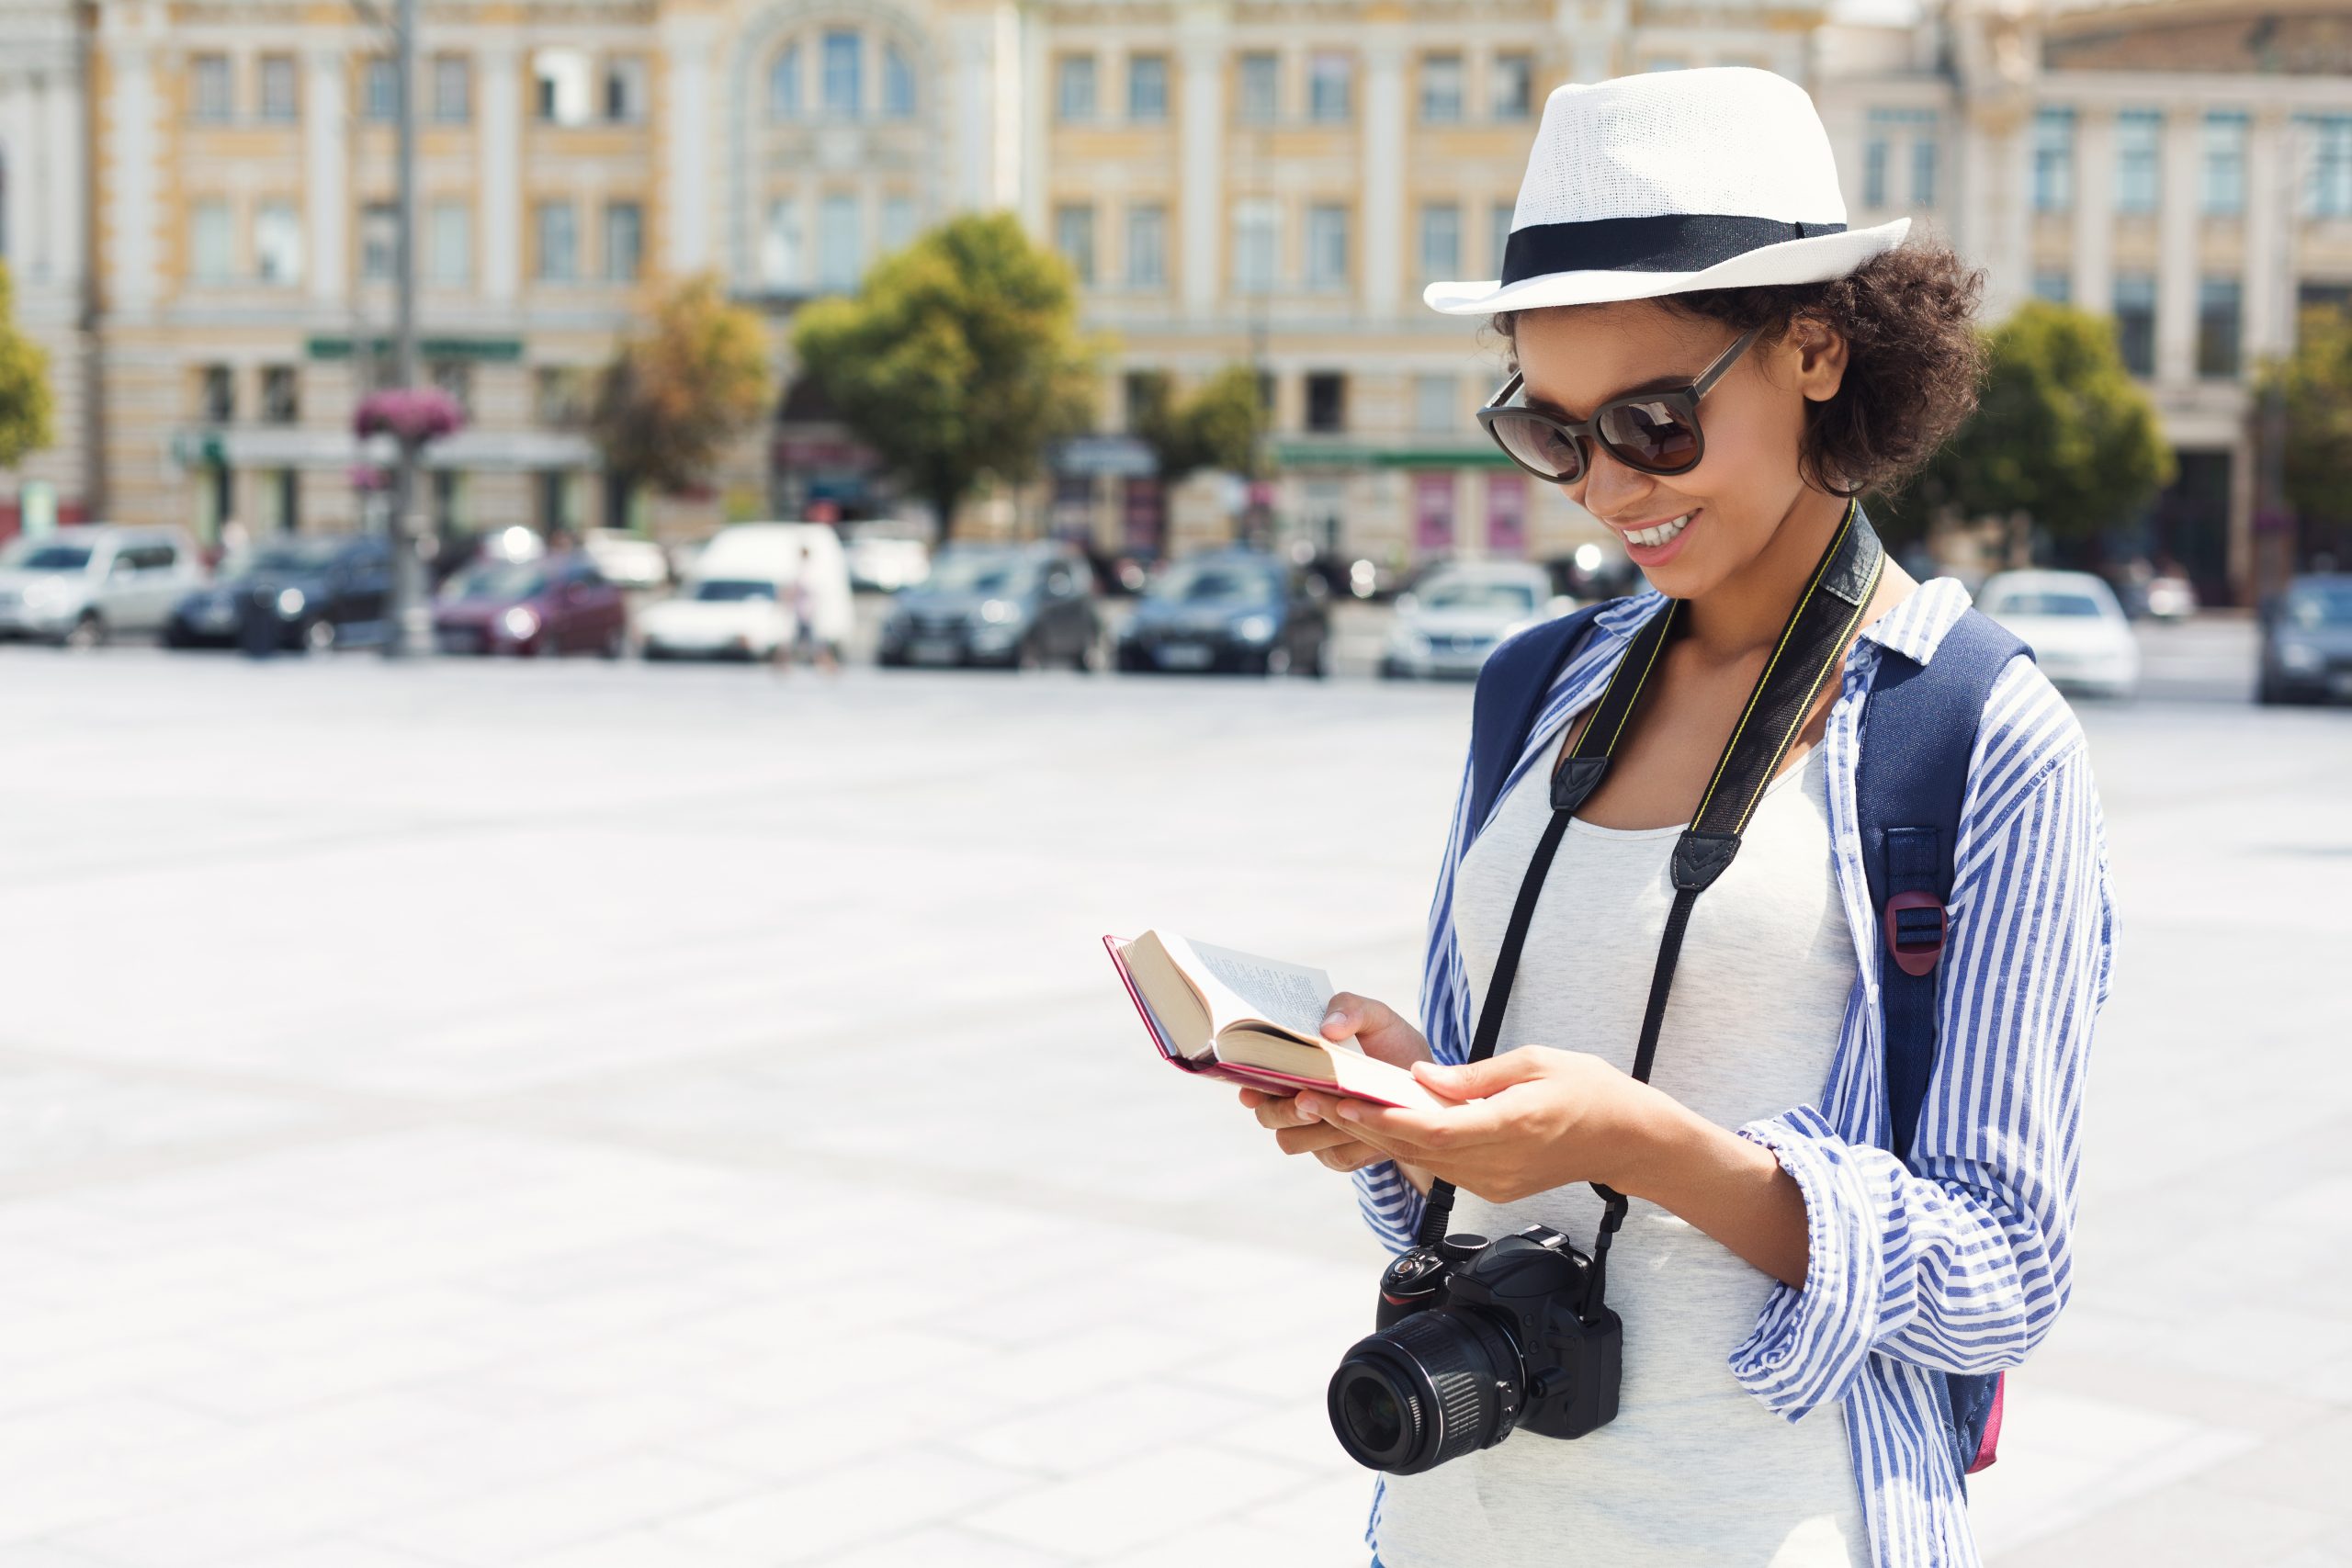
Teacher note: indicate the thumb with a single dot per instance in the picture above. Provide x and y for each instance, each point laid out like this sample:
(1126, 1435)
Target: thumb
(1477, 1080)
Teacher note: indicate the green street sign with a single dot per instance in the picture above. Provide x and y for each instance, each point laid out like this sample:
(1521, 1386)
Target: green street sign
(487, 350)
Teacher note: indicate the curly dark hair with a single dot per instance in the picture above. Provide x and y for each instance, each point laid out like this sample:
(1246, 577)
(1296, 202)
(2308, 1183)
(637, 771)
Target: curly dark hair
(1913, 360)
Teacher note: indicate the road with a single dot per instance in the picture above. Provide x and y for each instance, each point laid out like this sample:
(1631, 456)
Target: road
(588, 1115)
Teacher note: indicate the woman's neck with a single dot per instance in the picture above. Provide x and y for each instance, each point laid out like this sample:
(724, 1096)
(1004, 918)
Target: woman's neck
(1747, 611)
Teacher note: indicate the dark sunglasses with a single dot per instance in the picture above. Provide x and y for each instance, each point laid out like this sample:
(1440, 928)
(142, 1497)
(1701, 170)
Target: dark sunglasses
(1657, 433)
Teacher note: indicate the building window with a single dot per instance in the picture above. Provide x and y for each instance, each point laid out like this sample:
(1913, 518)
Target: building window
(561, 79)
(1148, 89)
(2224, 185)
(1326, 401)
(378, 242)
(845, 75)
(281, 495)
(558, 395)
(841, 248)
(1498, 221)
(381, 91)
(1890, 131)
(1875, 157)
(1146, 245)
(452, 89)
(1666, 62)
(1074, 87)
(2135, 321)
(783, 83)
(1074, 238)
(2217, 327)
(451, 243)
(1436, 404)
(1440, 88)
(277, 242)
(897, 222)
(2139, 159)
(1329, 78)
(1514, 85)
(1441, 241)
(453, 377)
(1923, 171)
(1261, 92)
(1326, 247)
(1257, 236)
(212, 242)
(898, 84)
(281, 395)
(558, 231)
(212, 95)
(625, 90)
(279, 99)
(781, 267)
(2053, 161)
(2054, 285)
(216, 395)
(2329, 192)
(624, 241)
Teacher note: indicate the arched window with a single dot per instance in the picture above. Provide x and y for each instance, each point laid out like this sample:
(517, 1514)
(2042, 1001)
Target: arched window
(898, 84)
(784, 84)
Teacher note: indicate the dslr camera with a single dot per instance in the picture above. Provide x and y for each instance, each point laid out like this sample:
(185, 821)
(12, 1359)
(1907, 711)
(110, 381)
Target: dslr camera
(1476, 1339)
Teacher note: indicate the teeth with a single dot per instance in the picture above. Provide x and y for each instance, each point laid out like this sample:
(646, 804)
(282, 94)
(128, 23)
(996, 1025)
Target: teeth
(1662, 533)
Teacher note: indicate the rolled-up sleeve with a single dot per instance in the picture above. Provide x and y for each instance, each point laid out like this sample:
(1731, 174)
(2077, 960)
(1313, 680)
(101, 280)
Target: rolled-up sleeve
(1961, 1260)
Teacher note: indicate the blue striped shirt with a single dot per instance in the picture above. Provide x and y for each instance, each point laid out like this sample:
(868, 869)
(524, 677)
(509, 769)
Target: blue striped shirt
(1959, 1261)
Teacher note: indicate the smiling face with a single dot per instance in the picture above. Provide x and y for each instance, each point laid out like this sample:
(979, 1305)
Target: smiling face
(1732, 506)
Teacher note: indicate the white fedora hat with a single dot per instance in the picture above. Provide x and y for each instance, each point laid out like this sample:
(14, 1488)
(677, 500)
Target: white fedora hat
(1664, 184)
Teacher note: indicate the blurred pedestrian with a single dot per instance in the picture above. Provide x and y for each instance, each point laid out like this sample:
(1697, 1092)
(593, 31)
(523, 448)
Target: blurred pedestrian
(804, 640)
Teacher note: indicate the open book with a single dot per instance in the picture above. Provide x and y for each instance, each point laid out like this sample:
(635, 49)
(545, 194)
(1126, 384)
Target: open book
(1251, 1019)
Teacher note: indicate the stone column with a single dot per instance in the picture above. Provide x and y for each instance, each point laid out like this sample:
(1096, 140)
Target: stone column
(2178, 222)
(326, 175)
(132, 134)
(2094, 229)
(68, 179)
(1382, 177)
(2268, 288)
(1201, 200)
(967, 114)
(500, 147)
(686, 140)
(1034, 94)
(24, 146)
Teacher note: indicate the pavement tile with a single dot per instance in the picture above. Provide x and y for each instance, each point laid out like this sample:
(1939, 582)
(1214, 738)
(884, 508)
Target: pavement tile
(851, 1507)
(580, 1504)
(1121, 1507)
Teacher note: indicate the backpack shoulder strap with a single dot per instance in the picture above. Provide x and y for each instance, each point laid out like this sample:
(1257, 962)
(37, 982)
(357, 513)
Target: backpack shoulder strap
(1511, 687)
(1919, 732)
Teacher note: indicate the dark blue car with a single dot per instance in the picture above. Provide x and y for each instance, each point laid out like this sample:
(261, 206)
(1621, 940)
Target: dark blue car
(1242, 612)
(314, 592)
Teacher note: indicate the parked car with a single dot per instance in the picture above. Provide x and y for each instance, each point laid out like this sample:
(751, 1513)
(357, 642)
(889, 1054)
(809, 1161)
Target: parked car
(1452, 619)
(810, 554)
(1016, 605)
(717, 617)
(2307, 641)
(313, 591)
(881, 564)
(626, 560)
(1230, 610)
(556, 605)
(2074, 624)
(81, 585)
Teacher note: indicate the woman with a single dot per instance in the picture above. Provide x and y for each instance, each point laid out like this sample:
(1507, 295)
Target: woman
(1790, 1290)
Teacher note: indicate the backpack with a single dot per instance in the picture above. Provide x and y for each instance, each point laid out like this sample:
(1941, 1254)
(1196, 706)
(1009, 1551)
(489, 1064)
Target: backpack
(1919, 731)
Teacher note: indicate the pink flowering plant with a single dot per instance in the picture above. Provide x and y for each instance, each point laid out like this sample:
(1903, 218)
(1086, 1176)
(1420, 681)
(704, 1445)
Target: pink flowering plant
(411, 415)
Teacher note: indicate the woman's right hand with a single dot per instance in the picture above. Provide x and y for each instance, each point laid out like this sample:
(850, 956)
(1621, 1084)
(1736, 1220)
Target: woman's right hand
(1383, 1034)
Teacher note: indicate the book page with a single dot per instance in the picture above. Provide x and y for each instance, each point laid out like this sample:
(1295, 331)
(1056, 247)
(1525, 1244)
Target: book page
(1288, 995)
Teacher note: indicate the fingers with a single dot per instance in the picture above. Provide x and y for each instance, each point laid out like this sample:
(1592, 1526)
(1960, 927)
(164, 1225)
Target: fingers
(1411, 1132)
(1349, 1013)
(1307, 1140)
(1476, 1080)
(1277, 1111)
(1351, 1156)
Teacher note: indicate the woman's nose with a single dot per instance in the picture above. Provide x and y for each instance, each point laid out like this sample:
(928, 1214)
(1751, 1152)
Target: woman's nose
(1612, 489)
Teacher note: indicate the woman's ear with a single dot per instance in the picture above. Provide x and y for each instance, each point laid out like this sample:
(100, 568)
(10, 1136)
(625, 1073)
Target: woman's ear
(1820, 352)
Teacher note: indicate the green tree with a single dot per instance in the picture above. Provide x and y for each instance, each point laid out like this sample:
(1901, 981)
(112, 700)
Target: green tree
(1217, 426)
(671, 400)
(25, 408)
(959, 360)
(2314, 386)
(2063, 436)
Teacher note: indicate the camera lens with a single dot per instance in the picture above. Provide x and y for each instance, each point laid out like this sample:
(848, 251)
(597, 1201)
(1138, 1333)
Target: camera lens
(1436, 1386)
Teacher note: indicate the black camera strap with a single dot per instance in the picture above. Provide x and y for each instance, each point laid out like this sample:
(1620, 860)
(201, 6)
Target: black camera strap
(1811, 646)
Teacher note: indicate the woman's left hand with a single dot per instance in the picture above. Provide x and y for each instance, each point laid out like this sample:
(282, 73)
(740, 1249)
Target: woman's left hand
(1523, 1122)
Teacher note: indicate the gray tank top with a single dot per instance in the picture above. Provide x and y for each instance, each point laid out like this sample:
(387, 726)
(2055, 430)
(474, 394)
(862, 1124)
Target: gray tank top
(1693, 1470)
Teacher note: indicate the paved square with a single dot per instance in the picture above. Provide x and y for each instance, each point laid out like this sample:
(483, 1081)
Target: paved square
(608, 1116)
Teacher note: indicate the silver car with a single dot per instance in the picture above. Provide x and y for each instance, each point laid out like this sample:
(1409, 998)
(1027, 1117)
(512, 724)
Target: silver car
(79, 586)
(1455, 617)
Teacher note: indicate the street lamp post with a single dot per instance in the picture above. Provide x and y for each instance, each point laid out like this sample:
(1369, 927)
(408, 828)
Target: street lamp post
(411, 625)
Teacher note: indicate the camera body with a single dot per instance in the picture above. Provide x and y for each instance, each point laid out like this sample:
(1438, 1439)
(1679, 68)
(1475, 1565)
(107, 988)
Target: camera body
(1476, 1339)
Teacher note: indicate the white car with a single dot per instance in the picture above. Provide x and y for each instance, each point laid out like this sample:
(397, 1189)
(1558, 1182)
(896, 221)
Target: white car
(806, 554)
(626, 560)
(1452, 619)
(884, 565)
(2074, 624)
(717, 617)
(81, 585)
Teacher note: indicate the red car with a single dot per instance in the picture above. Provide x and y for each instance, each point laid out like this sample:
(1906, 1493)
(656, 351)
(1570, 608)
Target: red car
(560, 604)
